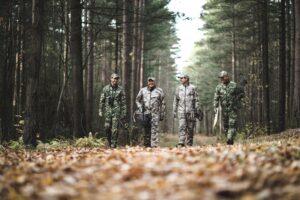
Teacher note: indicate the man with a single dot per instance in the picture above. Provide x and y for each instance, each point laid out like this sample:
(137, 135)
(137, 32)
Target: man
(186, 105)
(150, 101)
(113, 101)
(228, 94)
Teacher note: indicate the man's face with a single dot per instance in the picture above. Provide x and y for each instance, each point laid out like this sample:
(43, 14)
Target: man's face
(183, 80)
(151, 83)
(225, 79)
(114, 81)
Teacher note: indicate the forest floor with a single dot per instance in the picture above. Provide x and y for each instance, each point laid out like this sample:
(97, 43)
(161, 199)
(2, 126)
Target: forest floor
(263, 168)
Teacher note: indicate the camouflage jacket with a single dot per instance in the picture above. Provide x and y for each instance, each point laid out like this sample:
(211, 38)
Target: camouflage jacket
(186, 99)
(229, 95)
(152, 101)
(113, 101)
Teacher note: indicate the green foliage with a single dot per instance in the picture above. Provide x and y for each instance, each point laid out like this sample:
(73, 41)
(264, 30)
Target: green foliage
(89, 141)
(15, 144)
(251, 130)
(160, 37)
(55, 143)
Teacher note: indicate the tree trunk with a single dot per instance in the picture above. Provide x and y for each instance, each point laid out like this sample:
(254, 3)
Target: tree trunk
(117, 70)
(90, 69)
(142, 42)
(233, 51)
(134, 53)
(296, 106)
(292, 60)
(288, 61)
(8, 74)
(19, 57)
(66, 22)
(282, 69)
(33, 66)
(126, 67)
(77, 71)
(265, 62)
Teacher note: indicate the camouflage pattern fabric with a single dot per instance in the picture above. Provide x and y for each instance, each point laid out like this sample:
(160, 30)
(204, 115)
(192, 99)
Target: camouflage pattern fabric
(186, 103)
(229, 95)
(113, 101)
(186, 129)
(152, 102)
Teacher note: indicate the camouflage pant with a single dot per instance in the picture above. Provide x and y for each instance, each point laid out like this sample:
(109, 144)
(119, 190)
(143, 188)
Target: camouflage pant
(151, 138)
(111, 129)
(186, 129)
(229, 121)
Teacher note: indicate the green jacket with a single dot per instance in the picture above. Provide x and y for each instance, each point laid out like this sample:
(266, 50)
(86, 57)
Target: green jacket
(113, 100)
(229, 95)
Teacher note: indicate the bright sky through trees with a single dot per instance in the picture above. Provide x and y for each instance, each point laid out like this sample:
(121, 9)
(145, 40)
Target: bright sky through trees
(187, 30)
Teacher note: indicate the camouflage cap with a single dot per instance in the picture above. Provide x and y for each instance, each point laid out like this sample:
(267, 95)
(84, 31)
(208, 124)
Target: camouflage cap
(114, 75)
(183, 76)
(151, 78)
(222, 74)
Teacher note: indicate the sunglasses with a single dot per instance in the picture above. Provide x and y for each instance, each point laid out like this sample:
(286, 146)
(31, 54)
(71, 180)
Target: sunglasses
(182, 78)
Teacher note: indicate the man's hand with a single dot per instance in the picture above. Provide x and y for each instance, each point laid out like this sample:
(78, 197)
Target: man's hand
(215, 110)
(141, 109)
(161, 117)
(192, 115)
(100, 113)
(174, 115)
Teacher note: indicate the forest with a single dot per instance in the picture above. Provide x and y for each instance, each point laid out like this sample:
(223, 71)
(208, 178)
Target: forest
(57, 56)
(53, 69)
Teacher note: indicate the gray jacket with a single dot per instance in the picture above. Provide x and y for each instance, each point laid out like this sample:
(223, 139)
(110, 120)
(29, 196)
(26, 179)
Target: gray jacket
(153, 101)
(186, 99)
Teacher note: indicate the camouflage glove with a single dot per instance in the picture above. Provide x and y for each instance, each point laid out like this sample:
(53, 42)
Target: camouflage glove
(100, 113)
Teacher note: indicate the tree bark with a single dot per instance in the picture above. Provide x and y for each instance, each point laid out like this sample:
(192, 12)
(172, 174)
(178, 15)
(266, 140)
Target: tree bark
(126, 66)
(77, 70)
(8, 75)
(33, 66)
(90, 68)
(288, 60)
(134, 53)
(282, 69)
(66, 39)
(233, 51)
(296, 105)
(265, 62)
(117, 70)
(142, 43)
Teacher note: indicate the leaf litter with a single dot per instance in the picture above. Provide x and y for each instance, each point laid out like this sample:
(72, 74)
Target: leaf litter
(268, 169)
